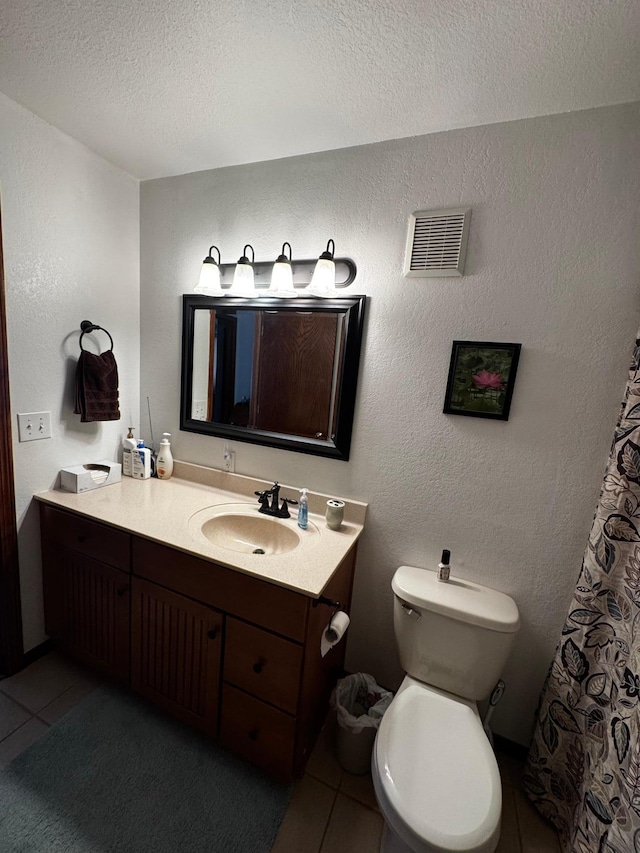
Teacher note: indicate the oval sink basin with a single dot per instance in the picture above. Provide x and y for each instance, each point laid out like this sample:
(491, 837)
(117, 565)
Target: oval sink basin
(250, 535)
(240, 528)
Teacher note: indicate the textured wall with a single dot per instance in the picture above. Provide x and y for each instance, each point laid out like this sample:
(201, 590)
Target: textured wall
(553, 262)
(70, 226)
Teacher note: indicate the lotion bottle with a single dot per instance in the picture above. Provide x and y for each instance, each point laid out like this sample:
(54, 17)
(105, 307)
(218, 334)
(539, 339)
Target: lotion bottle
(164, 462)
(303, 509)
(141, 462)
(129, 444)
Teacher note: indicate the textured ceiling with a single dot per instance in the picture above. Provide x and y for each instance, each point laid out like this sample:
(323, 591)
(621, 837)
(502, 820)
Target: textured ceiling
(163, 87)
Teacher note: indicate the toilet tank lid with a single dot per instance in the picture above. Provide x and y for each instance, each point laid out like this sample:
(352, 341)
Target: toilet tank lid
(457, 598)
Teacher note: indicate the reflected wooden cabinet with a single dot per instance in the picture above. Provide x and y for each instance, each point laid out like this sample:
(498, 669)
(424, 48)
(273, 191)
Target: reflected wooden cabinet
(230, 654)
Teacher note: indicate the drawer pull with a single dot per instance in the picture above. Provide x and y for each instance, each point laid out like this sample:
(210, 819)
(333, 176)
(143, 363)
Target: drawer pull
(122, 590)
(82, 538)
(259, 666)
(253, 734)
(212, 633)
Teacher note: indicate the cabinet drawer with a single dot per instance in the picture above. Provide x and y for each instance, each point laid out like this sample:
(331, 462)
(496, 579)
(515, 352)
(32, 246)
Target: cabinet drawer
(95, 540)
(258, 732)
(263, 664)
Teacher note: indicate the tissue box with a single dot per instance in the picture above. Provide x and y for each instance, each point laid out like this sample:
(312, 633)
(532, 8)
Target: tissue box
(83, 478)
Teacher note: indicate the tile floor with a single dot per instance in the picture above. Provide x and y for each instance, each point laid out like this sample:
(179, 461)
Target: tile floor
(330, 810)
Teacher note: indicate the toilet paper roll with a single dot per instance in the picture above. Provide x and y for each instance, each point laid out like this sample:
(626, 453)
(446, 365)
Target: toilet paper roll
(334, 631)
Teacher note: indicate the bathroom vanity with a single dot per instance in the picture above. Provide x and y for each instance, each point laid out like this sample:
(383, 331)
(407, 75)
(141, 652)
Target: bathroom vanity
(137, 586)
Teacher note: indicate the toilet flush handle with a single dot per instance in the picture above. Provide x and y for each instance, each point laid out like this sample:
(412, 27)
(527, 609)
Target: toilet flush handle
(411, 612)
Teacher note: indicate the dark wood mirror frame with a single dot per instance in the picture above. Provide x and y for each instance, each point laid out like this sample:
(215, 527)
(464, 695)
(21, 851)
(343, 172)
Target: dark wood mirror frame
(338, 448)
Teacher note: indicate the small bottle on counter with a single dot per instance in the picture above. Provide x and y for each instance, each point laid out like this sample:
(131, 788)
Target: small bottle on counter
(444, 568)
(303, 509)
(129, 444)
(141, 462)
(164, 462)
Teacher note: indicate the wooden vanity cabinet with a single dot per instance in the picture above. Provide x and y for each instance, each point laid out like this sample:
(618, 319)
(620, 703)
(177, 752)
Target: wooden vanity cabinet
(87, 583)
(231, 654)
(176, 647)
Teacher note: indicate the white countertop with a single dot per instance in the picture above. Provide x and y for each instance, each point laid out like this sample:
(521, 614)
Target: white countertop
(160, 510)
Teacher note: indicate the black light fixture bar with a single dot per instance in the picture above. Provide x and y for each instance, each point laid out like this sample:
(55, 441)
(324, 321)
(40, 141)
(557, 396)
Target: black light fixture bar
(302, 272)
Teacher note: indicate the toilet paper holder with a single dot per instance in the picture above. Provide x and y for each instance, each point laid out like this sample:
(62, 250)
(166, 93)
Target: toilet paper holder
(329, 603)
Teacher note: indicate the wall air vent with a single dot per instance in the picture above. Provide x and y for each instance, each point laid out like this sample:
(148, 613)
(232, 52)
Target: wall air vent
(437, 243)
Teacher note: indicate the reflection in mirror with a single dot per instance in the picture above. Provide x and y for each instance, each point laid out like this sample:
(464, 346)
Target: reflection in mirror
(274, 372)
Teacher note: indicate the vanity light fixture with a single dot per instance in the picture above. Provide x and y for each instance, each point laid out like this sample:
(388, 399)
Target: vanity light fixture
(209, 281)
(282, 276)
(323, 280)
(243, 281)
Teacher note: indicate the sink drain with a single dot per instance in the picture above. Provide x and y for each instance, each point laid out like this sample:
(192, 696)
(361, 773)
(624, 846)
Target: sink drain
(259, 551)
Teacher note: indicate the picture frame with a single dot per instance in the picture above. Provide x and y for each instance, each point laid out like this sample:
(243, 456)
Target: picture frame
(482, 376)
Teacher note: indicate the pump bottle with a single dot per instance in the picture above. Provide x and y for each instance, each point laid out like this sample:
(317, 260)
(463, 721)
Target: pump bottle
(164, 462)
(129, 444)
(303, 509)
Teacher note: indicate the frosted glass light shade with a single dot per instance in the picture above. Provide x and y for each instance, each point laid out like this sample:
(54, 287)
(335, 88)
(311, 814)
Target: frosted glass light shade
(209, 281)
(282, 281)
(323, 280)
(243, 281)
(282, 276)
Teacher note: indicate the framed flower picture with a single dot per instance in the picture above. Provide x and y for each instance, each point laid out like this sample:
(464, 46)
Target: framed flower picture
(481, 379)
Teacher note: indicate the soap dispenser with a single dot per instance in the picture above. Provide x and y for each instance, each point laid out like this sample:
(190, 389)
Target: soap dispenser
(303, 509)
(164, 463)
(129, 444)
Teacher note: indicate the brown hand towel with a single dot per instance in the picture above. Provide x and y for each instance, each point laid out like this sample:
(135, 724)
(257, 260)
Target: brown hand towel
(97, 387)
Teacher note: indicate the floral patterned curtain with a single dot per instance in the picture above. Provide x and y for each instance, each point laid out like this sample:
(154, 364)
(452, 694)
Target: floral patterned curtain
(583, 770)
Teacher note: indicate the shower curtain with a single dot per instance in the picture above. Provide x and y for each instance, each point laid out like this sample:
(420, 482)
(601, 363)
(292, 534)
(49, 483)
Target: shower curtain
(583, 770)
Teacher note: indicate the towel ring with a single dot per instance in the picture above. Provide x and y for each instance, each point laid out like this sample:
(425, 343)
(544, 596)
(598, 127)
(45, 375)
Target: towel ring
(87, 326)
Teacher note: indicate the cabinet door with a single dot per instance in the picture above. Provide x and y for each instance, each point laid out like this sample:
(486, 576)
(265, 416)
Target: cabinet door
(175, 654)
(87, 609)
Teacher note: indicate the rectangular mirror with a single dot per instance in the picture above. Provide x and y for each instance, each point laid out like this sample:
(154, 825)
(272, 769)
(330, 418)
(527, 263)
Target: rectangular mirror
(281, 373)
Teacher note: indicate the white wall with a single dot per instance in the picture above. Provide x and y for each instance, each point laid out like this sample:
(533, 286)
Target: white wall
(553, 263)
(70, 224)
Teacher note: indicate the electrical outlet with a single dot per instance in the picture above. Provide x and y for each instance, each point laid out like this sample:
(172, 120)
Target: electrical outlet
(34, 425)
(228, 460)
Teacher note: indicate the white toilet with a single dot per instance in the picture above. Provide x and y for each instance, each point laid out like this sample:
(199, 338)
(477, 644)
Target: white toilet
(435, 775)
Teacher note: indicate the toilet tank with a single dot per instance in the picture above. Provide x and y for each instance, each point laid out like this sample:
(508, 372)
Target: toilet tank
(454, 635)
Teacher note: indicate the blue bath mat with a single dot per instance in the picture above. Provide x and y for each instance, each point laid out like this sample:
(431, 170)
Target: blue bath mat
(116, 775)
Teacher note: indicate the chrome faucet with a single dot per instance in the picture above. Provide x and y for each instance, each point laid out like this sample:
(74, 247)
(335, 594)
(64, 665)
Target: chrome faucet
(275, 509)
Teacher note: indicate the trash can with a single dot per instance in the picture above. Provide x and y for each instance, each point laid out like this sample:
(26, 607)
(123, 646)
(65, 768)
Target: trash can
(359, 704)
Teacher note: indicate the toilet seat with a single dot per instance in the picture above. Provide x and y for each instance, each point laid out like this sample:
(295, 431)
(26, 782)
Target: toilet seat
(435, 774)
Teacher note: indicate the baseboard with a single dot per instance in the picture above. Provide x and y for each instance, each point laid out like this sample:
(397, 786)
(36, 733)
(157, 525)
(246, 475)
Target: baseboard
(37, 652)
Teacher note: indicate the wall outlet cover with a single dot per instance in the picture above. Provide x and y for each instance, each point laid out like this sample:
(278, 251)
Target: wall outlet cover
(34, 425)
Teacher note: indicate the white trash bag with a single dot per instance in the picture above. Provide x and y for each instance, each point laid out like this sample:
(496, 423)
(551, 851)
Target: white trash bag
(359, 703)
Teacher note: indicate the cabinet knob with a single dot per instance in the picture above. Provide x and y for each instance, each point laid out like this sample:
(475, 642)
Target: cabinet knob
(122, 590)
(82, 538)
(253, 734)
(212, 633)
(259, 666)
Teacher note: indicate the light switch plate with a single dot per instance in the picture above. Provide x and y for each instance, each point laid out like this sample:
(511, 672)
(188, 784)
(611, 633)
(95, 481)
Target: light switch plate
(34, 425)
